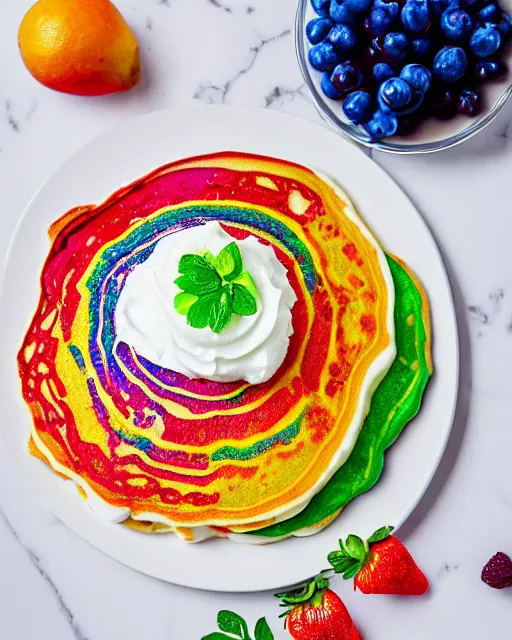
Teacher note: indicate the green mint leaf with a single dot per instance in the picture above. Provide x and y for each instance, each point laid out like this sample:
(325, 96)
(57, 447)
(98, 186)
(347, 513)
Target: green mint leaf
(199, 313)
(380, 534)
(221, 311)
(353, 570)
(262, 630)
(233, 623)
(210, 258)
(199, 282)
(245, 279)
(190, 262)
(356, 548)
(217, 636)
(244, 303)
(229, 262)
(183, 301)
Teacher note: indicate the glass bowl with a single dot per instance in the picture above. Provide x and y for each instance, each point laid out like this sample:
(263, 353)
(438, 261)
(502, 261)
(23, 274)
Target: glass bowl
(433, 135)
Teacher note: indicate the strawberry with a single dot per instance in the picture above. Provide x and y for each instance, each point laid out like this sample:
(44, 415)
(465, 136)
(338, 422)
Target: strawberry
(314, 612)
(497, 573)
(381, 565)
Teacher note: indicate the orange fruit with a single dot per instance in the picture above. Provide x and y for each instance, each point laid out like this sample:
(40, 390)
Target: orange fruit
(82, 47)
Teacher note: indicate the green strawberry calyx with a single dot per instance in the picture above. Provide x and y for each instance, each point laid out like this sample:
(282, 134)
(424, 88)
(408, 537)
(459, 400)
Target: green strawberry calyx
(354, 554)
(310, 593)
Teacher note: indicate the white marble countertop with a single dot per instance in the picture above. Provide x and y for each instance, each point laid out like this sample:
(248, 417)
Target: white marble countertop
(52, 584)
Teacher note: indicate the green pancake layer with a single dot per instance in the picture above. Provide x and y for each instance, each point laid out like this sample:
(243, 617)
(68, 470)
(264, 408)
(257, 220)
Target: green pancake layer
(396, 401)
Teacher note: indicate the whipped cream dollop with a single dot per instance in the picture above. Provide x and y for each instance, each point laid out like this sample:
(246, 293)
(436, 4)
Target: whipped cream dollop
(250, 348)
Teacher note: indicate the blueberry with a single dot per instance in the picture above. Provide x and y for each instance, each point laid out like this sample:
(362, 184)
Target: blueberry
(490, 13)
(380, 21)
(343, 38)
(323, 57)
(470, 102)
(317, 29)
(382, 71)
(381, 125)
(358, 107)
(346, 77)
(408, 124)
(489, 69)
(470, 4)
(414, 104)
(395, 45)
(357, 6)
(456, 24)
(441, 102)
(421, 46)
(485, 41)
(328, 87)
(437, 7)
(417, 77)
(394, 93)
(505, 26)
(450, 64)
(415, 15)
(388, 5)
(321, 7)
(339, 13)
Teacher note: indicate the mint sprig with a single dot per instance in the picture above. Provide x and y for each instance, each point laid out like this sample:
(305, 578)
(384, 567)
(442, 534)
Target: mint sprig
(234, 627)
(213, 288)
(355, 553)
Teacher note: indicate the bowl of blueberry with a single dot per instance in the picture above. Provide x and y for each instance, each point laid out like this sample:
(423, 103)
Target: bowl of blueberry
(406, 76)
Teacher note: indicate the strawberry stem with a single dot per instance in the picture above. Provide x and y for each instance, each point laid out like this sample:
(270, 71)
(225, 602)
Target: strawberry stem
(312, 592)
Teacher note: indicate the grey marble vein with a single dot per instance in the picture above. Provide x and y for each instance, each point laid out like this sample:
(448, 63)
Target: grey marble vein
(217, 93)
(496, 298)
(477, 313)
(36, 562)
(220, 5)
(228, 8)
(13, 123)
(282, 94)
(446, 569)
(503, 134)
(487, 314)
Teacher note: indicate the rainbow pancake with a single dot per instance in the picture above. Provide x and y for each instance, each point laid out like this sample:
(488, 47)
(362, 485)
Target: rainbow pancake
(255, 425)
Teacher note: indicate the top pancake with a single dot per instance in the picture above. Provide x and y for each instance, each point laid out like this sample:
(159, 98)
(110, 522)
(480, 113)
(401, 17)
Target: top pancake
(161, 447)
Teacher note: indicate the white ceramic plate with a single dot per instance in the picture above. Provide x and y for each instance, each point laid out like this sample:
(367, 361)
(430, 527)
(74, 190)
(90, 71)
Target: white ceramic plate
(129, 152)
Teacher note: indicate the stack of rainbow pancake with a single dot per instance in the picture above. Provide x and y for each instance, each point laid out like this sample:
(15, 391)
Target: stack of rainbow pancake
(160, 451)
